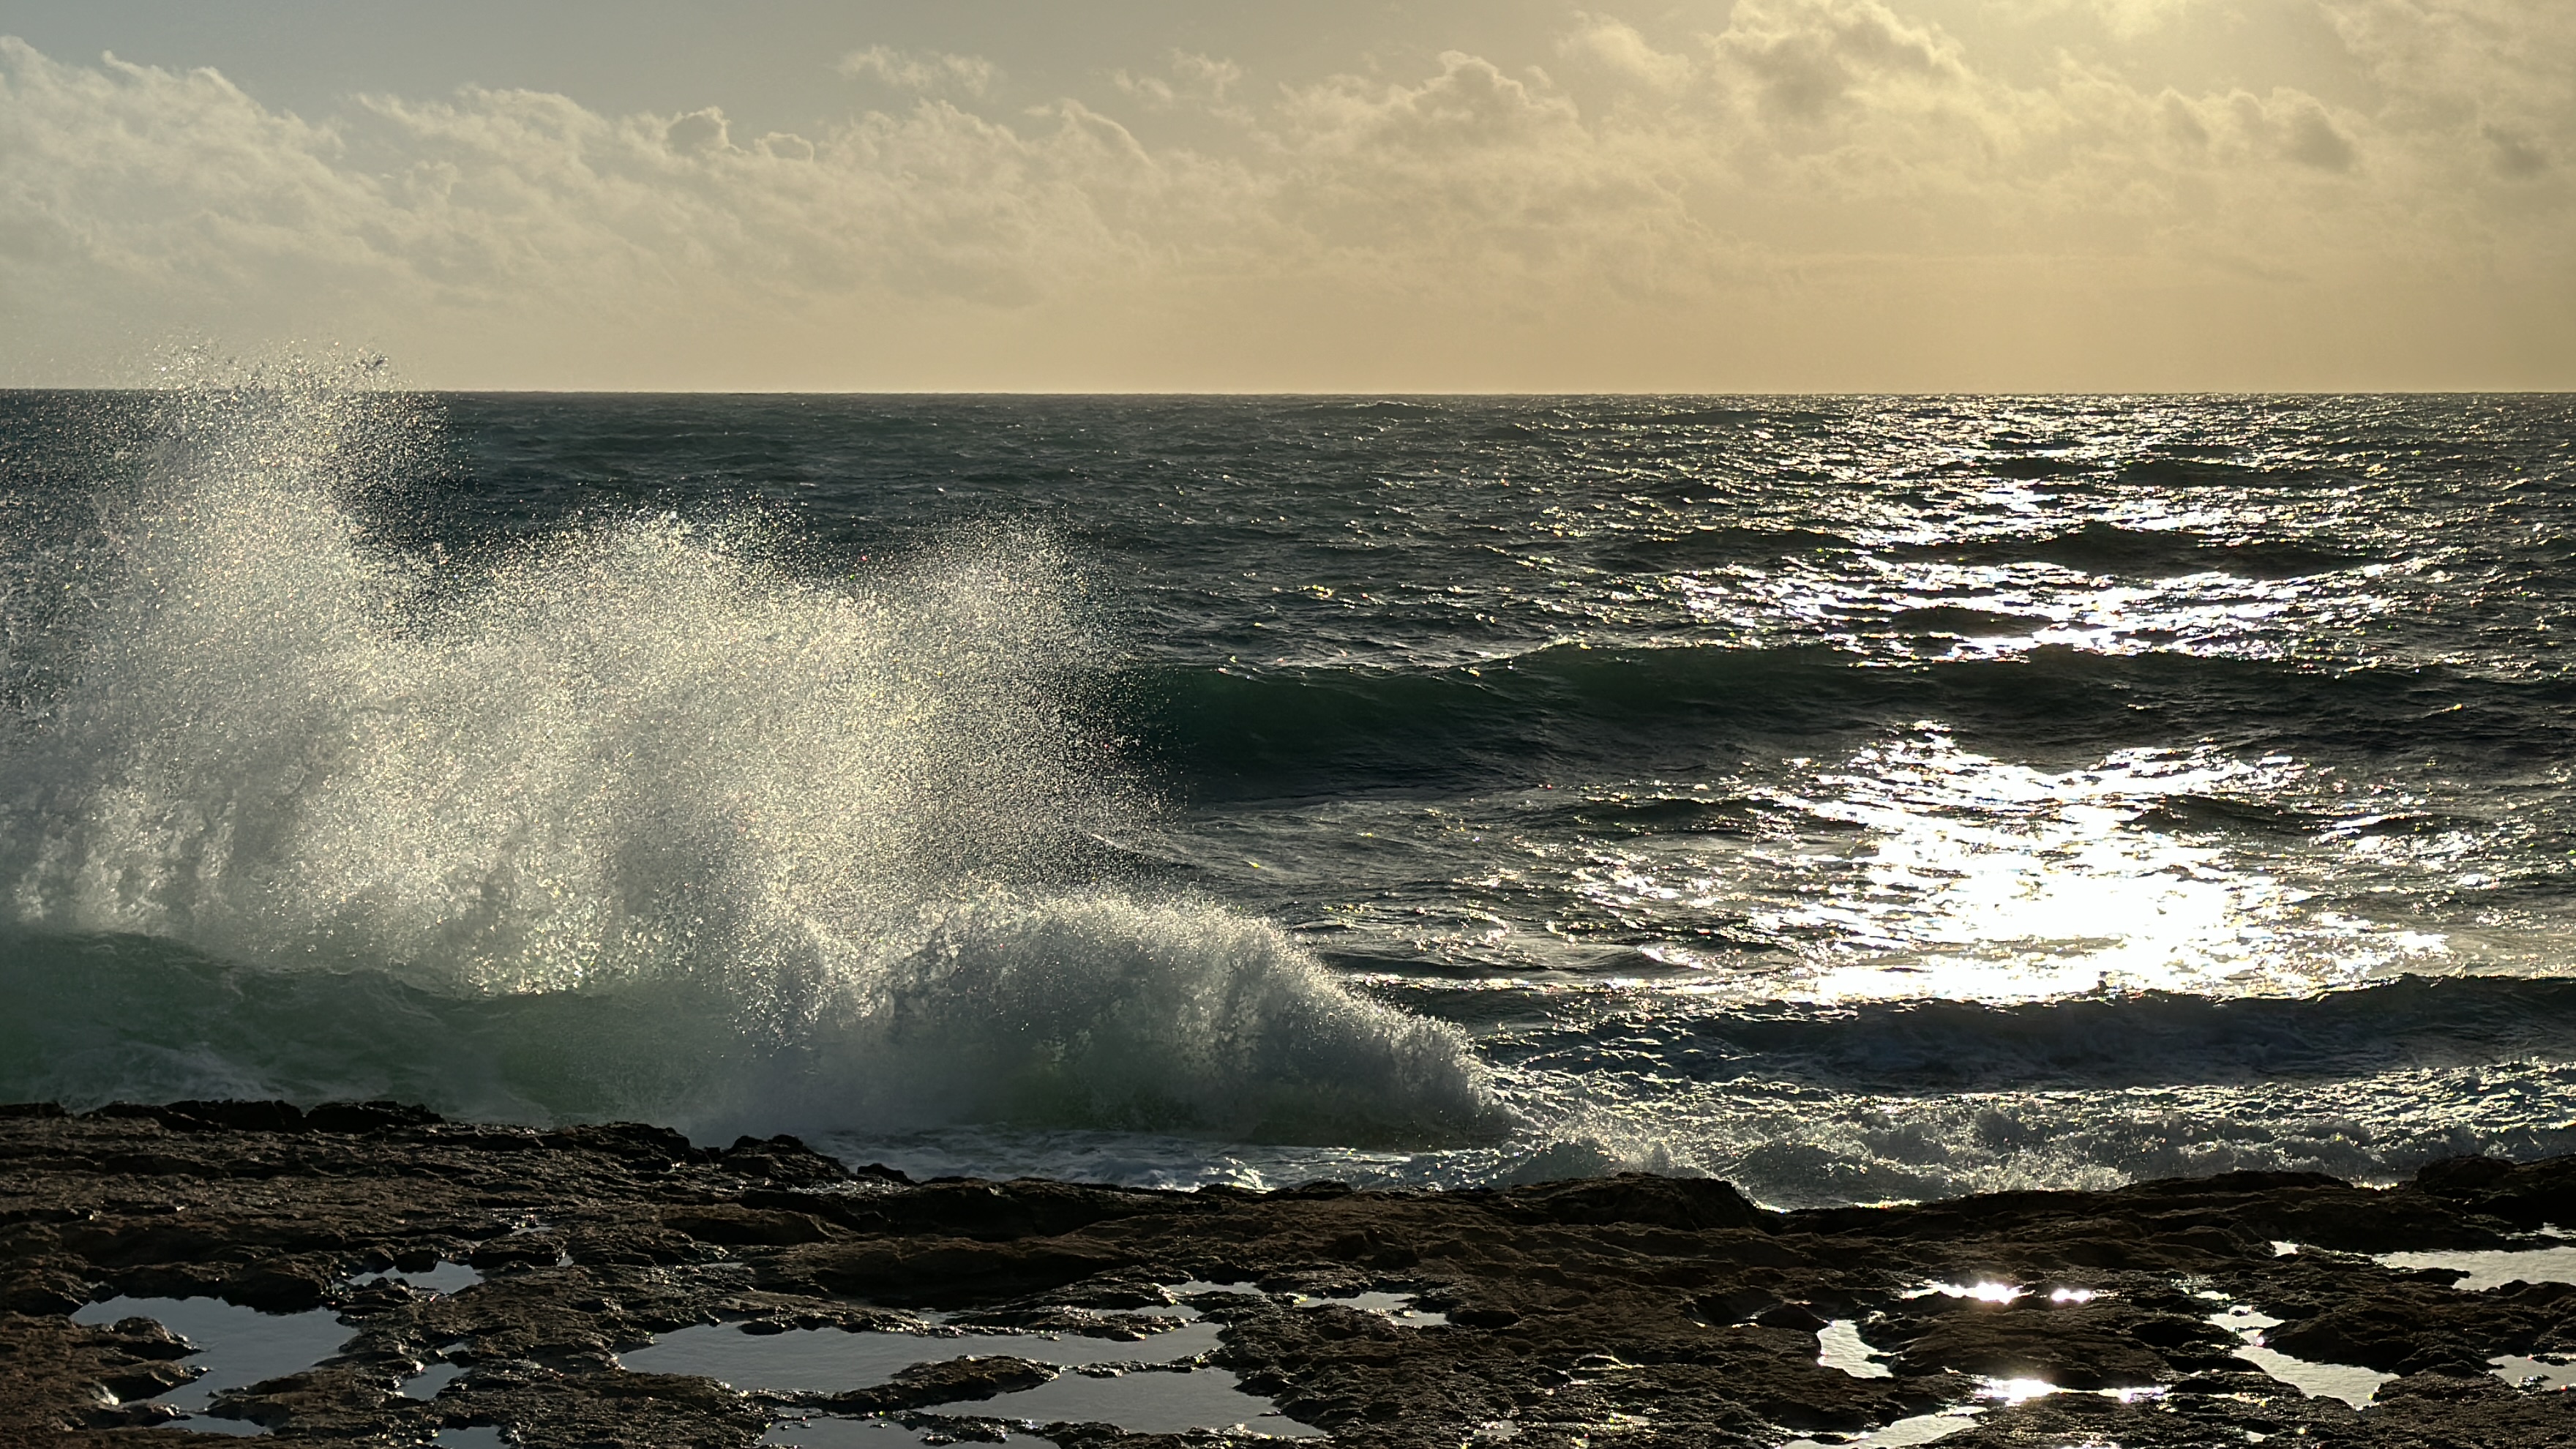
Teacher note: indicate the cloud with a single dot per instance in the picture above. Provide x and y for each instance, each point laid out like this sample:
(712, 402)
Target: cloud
(1806, 58)
(2515, 156)
(928, 72)
(1472, 180)
(1616, 46)
(1846, 162)
(128, 181)
(1191, 79)
(2125, 20)
(2308, 135)
(698, 133)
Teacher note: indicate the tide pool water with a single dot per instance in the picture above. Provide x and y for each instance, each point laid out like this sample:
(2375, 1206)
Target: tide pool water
(1856, 798)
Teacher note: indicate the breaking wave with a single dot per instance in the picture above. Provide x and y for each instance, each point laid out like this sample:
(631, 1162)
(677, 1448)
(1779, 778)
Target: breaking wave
(636, 820)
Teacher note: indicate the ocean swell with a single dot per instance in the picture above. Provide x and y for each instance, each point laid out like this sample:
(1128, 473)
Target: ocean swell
(1568, 709)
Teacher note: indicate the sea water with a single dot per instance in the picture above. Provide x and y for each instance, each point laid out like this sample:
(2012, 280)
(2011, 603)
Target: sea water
(1855, 798)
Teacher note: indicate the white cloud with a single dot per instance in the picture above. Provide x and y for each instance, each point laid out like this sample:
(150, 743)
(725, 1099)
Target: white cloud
(1191, 79)
(929, 72)
(1618, 47)
(2122, 19)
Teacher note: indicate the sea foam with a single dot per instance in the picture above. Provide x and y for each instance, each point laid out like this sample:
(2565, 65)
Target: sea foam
(642, 818)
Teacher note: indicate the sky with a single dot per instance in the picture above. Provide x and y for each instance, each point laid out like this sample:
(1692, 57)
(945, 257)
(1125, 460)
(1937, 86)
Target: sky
(1340, 195)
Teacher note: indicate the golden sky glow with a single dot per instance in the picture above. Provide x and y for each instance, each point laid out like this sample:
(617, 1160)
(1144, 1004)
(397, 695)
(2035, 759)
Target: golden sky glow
(1750, 196)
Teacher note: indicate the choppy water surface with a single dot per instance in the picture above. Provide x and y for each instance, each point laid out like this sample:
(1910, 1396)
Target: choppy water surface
(1858, 798)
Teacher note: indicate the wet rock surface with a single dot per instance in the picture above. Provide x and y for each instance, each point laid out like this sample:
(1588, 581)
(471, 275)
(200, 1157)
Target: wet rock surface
(1633, 1310)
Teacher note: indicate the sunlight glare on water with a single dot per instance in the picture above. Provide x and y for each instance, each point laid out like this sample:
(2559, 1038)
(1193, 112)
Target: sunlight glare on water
(1979, 879)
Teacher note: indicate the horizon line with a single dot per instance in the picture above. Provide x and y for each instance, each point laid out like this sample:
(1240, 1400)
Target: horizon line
(1292, 393)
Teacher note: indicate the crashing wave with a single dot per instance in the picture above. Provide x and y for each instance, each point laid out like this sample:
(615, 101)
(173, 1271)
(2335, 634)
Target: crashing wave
(804, 853)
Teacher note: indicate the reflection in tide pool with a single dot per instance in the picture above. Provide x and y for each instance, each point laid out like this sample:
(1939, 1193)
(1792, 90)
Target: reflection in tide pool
(236, 1347)
(1904, 1433)
(2354, 1385)
(1981, 1291)
(2549, 1373)
(427, 1383)
(441, 1277)
(1396, 1308)
(1143, 1402)
(2009, 1392)
(2494, 1267)
(829, 1433)
(1143, 1387)
(824, 1360)
(1840, 1346)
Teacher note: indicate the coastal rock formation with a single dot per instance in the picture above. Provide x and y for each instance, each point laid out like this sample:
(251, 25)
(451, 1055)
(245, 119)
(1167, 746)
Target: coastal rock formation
(1631, 1310)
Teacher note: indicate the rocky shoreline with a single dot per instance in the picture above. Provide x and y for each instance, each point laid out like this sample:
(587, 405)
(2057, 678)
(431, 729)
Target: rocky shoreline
(1631, 1310)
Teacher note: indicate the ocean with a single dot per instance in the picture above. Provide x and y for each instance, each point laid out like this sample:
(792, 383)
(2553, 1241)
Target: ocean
(1855, 798)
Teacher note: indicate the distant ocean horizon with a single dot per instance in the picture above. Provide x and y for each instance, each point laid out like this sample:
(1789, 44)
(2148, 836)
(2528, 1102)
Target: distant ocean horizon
(1858, 798)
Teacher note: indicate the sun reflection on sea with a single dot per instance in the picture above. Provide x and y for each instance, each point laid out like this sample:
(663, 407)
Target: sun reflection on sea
(1931, 870)
(1995, 881)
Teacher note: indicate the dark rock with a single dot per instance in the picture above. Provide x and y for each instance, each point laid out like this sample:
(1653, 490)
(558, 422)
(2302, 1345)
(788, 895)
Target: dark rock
(950, 1273)
(961, 1380)
(42, 1293)
(1630, 1309)
(727, 1223)
(2461, 1177)
(145, 1380)
(283, 1287)
(231, 1116)
(367, 1117)
(781, 1159)
(1796, 1317)
(2074, 1348)
(1688, 1203)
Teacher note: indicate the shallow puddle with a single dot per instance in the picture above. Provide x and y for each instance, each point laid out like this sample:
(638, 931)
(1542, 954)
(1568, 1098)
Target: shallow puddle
(1983, 1292)
(2555, 1372)
(1396, 1307)
(1144, 1402)
(237, 1347)
(447, 1277)
(427, 1383)
(823, 1360)
(2009, 1392)
(1904, 1433)
(1839, 1346)
(826, 1360)
(844, 1434)
(2495, 1267)
(1941, 1424)
(2355, 1386)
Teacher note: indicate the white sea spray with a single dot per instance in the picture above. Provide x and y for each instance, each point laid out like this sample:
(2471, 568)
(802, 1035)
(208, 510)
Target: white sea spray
(798, 844)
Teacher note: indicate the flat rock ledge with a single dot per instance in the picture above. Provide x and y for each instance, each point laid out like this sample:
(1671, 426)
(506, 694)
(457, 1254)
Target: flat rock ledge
(1631, 1310)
